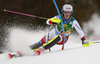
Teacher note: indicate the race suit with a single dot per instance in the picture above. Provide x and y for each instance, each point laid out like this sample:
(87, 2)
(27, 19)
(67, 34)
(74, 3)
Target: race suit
(68, 24)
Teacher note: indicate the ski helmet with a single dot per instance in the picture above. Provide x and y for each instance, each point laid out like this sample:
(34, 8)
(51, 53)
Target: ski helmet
(67, 7)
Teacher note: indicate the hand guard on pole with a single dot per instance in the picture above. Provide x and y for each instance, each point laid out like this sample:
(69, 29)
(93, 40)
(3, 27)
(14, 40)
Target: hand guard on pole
(86, 43)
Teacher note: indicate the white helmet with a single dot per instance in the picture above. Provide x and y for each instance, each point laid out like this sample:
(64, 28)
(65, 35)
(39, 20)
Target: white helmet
(67, 7)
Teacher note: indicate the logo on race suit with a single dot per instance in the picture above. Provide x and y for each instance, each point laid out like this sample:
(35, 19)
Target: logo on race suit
(65, 25)
(70, 23)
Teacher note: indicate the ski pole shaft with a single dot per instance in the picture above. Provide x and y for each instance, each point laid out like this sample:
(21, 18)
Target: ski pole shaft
(24, 14)
(96, 42)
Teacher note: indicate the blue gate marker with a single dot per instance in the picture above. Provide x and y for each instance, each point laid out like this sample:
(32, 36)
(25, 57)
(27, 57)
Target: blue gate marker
(61, 23)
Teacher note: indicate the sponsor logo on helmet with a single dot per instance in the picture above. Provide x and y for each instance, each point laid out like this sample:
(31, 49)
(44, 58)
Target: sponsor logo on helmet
(68, 8)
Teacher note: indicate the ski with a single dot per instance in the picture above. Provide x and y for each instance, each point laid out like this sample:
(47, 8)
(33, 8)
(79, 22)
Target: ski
(17, 54)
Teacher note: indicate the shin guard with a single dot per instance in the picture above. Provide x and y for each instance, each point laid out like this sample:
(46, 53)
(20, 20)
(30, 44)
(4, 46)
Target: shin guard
(52, 42)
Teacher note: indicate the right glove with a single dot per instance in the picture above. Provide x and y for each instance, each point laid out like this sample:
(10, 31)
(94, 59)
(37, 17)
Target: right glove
(55, 20)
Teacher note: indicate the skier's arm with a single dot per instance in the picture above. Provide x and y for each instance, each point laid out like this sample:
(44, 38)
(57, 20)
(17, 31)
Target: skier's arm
(78, 29)
(53, 21)
(85, 43)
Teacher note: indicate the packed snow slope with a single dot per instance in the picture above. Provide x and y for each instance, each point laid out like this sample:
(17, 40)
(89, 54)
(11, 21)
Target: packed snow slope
(74, 53)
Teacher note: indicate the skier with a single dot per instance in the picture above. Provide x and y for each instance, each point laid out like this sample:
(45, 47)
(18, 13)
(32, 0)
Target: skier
(55, 36)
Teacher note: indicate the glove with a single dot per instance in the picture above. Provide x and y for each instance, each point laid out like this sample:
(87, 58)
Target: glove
(52, 23)
(55, 20)
(85, 43)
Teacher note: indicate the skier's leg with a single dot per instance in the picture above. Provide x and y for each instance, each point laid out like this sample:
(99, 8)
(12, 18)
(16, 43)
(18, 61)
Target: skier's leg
(52, 42)
(52, 39)
(61, 41)
(44, 40)
(56, 40)
(48, 45)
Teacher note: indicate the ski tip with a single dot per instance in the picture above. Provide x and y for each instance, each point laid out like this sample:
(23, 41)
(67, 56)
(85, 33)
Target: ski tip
(10, 56)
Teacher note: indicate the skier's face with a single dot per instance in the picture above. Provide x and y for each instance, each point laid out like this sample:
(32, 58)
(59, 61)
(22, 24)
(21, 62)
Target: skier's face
(66, 16)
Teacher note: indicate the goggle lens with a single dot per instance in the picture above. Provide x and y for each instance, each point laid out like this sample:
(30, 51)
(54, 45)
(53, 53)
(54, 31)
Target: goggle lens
(67, 12)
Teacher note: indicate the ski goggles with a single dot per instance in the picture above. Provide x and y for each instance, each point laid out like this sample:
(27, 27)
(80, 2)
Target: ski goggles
(67, 12)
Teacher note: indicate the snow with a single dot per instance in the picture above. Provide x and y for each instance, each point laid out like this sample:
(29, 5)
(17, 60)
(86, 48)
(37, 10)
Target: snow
(74, 52)
(74, 55)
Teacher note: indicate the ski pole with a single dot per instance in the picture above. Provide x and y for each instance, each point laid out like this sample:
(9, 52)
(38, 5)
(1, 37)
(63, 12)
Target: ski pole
(91, 42)
(61, 23)
(24, 14)
(96, 42)
(54, 19)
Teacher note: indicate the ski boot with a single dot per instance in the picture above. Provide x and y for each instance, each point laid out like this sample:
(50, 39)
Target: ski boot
(38, 51)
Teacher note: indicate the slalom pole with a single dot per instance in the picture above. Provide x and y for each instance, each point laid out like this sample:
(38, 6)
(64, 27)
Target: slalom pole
(24, 14)
(61, 23)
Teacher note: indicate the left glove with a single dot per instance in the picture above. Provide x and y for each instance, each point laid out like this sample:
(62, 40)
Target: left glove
(85, 43)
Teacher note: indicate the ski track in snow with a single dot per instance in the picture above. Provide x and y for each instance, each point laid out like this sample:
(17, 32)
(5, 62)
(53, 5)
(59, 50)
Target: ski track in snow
(74, 52)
